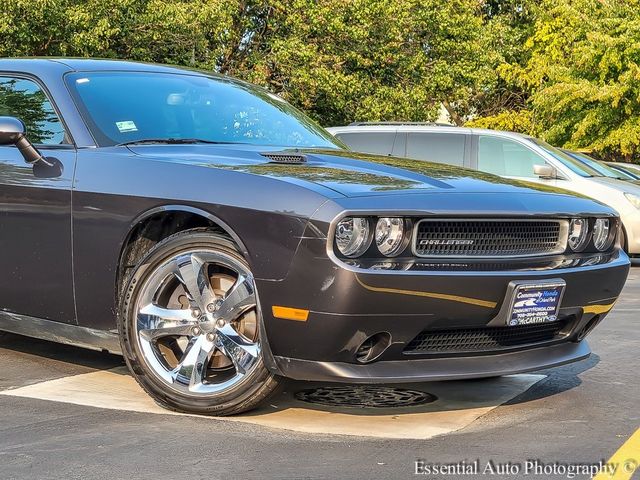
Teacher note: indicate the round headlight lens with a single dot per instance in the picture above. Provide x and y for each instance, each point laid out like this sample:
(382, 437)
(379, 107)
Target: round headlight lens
(390, 235)
(602, 237)
(352, 236)
(578, 230)
(634, 199)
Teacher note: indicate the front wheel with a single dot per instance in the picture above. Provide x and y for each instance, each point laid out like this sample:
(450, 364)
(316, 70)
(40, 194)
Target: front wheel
(190, 327)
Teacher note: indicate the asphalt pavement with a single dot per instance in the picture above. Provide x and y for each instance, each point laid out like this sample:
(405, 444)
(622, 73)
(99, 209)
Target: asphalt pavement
(578, 414)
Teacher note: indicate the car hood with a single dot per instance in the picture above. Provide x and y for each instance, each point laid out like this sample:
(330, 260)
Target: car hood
(630, 186)
(346, 173)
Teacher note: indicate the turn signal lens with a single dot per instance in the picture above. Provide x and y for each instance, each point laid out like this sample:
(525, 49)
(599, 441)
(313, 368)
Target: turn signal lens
(390, 236)
(602, 234)
(578, 234)
(353, 236)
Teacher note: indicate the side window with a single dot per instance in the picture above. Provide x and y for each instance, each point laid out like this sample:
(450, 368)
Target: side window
(379, 143)
(25, 100)
(437, 147)
(505, 157)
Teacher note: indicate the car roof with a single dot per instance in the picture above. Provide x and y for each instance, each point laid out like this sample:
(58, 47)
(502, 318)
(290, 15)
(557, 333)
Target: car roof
(418, 127)
(89, 65)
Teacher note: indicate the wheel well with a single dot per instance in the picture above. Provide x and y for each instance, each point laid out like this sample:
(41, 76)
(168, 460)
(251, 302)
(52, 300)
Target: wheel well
(153, 229)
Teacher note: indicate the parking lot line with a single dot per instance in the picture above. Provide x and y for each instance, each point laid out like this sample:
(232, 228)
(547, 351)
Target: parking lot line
(625, 461)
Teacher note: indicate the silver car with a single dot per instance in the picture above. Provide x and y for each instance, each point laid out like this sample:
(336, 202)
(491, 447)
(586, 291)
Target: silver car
(507, 154)
(631, 169)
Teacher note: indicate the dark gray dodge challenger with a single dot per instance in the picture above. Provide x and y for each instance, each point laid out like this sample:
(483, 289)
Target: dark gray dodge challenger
(221, 241)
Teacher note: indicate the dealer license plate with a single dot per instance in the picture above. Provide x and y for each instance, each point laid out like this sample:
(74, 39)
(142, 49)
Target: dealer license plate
(535, 303)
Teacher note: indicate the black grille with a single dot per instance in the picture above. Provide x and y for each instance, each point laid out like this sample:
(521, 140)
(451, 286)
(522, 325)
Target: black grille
(484, 338)
(473, 238)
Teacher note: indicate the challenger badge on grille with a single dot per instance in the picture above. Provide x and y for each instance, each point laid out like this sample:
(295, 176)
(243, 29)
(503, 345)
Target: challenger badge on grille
(439, 241)
(489, 238)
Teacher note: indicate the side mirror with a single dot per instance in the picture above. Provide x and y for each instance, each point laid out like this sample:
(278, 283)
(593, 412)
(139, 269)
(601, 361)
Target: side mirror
(545, 171)
(13, 132)
(50, 168)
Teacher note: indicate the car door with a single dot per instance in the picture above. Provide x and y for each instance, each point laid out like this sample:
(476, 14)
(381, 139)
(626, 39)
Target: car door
(35, 208)
(509, 158)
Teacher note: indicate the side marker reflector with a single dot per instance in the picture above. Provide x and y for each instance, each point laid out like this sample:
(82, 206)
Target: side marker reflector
(289, 313)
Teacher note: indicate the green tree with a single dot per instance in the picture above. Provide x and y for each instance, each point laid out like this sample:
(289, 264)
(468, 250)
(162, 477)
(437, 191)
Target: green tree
(31, 106)
(341, 60)
(373, 59)
(583, 76)
(504, 106)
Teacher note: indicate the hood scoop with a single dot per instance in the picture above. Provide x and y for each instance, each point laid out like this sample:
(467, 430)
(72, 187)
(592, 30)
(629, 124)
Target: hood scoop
(286, 158)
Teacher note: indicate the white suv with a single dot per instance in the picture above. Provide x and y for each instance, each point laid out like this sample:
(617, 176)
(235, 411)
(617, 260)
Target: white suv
(507, 154)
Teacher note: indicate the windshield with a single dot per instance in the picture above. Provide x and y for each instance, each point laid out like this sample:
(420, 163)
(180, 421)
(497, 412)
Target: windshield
(626, 169)
(602, 169)
(123, 107)
(571, 163)
(630, 166)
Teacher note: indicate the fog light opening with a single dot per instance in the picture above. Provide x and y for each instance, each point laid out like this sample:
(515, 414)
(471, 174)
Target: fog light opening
(373, 347)
(588, 327)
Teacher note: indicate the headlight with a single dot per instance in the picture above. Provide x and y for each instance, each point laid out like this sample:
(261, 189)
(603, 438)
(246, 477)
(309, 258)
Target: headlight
(352, 236)
(634, 199)
(578, 234)
(390, 236)
(602, 234)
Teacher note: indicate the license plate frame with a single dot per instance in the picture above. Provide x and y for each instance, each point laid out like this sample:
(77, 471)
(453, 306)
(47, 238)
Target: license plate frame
(535, 303)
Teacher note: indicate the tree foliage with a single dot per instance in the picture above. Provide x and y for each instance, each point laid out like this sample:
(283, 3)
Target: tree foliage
(567, 70)
(341, 60)
(349, 60)
(35, 110)
(582, 75)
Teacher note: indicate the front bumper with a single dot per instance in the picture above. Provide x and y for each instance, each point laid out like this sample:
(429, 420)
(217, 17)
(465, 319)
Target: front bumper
(434, 369)
(348, 304)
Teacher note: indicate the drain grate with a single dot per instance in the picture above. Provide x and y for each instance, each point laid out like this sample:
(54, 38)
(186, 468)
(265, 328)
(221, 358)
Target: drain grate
(365, 396)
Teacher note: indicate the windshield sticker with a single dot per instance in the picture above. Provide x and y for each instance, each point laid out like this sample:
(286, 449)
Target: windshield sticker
(127, 126)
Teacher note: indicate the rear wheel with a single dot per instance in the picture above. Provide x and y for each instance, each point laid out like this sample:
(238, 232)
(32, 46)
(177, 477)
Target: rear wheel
(190, 326)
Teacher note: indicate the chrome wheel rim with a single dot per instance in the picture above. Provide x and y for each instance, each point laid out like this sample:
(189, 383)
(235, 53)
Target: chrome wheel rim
(197, 322)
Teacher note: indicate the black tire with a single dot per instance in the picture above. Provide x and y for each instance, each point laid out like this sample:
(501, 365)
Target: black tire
(256, 386)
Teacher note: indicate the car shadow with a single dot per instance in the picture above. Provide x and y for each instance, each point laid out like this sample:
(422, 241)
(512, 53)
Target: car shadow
(559, 380)
(449, 395)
